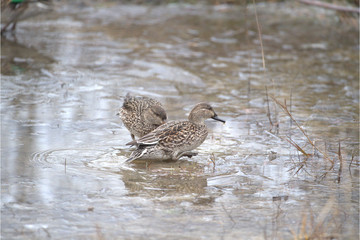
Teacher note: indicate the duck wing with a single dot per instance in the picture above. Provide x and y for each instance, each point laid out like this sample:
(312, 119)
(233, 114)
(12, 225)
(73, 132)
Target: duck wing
(154, 136)
(172, 136)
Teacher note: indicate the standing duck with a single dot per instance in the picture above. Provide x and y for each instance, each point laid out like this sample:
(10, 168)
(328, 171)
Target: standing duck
(141, 115)
(175, 139)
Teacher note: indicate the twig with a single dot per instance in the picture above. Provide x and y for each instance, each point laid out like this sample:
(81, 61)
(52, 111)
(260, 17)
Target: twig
(228, 214)
(314, 150)
(212, 159)
(273, 135)
(291, 93)
(322, 176)
(301, 166)
(352, 159)
(249, 55)
(341, 163)
(303, 227)
(268, 107)
(291, 105)
(297, 147)
(147, 165)
(276, 116)
(330, 6)
(260, 38)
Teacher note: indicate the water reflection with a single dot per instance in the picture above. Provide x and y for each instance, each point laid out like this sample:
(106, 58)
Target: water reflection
(161, 180)
(21, 59)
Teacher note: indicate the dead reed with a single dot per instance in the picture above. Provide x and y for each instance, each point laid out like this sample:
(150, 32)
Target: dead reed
(268, 114)
(341, 164)
(276, 123)
(260, 38)
(284, 107)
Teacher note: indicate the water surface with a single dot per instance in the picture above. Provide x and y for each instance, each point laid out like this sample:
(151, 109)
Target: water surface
(64, 76)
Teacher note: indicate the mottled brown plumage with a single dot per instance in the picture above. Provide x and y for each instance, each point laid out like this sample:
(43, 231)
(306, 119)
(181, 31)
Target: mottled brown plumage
(141, 115)
(175, 139)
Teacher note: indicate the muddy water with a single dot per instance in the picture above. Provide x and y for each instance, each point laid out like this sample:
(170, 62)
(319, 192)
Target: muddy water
(64, 76)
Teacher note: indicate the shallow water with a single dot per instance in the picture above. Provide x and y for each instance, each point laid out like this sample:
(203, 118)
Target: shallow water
(64, 75)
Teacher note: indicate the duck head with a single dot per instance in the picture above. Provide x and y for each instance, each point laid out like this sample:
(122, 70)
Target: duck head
(201, 112)
(155, 115)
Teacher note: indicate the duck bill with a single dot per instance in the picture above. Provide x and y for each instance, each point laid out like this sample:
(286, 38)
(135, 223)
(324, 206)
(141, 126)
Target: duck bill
(218, 119)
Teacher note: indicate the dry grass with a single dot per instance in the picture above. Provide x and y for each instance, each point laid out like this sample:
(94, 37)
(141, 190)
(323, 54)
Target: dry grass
(341, 164)
(260, 37)
(322, 169)
(317, 151)
(326, 224)
(284, 107)
(274, 124)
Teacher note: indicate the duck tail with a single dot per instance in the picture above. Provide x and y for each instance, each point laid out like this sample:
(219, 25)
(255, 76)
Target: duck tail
(138, 153)
(132, 143)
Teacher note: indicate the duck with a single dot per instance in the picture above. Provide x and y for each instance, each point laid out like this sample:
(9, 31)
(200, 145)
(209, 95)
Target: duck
(13, 11)
(175, 139)
(141, 115)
